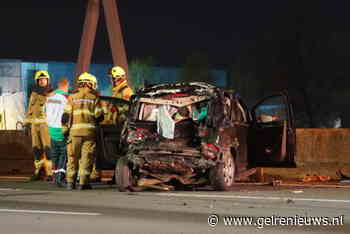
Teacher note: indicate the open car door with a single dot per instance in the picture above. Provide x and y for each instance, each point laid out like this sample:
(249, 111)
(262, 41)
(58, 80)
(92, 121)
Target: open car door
(272, 138)
(108, 135)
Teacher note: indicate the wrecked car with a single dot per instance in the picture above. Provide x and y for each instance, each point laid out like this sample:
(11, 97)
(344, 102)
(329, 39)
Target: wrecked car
(195, 134)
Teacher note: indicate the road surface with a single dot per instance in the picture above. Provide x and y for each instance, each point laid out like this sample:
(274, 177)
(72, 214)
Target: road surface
(40, 208)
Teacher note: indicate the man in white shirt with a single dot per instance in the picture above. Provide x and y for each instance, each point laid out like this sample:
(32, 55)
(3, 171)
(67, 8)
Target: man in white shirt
(54, 111)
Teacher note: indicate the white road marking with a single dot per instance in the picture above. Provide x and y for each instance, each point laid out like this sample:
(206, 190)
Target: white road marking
(249, 197)
(48, 212)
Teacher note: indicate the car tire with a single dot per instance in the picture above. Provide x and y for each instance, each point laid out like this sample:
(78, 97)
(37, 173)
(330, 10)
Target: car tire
(222, 176)
(123, 175)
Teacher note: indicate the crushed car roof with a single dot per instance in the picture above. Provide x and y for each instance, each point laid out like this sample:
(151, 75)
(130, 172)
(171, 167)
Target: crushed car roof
(179, 102)
(193, 88)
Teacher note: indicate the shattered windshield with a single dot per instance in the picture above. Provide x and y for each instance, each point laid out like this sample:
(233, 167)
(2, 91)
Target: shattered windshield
(195, 111)
(166, 116)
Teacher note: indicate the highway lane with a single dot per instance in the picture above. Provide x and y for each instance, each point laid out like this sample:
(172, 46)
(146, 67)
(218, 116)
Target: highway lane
(45, 210)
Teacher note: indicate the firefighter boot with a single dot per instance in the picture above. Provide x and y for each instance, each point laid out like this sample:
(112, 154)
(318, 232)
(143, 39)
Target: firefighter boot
(96, 175)
(84, 187)
(48, 169)
(71, 185)
(37, 167)
(84, 183)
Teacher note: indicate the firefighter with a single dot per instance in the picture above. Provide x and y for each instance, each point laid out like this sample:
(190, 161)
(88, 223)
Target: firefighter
(120, 85)
(110, 112)
(120, 90)
(113, 114)
(82, 113)
(36, 120)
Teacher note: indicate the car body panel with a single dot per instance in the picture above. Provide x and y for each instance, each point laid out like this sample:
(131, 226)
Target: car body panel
(108, 139)
(272, 135)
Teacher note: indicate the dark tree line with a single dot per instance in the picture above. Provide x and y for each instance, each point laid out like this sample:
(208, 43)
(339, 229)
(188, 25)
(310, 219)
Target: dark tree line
(305, 52)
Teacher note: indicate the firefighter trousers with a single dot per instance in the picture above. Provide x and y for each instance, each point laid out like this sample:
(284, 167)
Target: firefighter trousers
(80, 158)
(41, 144)
(96, 173)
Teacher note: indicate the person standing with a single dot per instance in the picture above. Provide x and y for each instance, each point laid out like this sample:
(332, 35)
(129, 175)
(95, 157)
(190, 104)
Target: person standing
(81, 115)
(110, 112)
(114, 114)
(36, 120)
(54, 111)
(120, 84)
(120, 90)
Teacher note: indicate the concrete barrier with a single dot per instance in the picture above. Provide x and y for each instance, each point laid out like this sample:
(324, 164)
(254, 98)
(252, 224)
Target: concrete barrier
(319, 151)
(16, 156)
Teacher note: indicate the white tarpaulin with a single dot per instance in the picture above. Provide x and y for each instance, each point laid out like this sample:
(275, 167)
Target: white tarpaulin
(12, 110)
(165, 124)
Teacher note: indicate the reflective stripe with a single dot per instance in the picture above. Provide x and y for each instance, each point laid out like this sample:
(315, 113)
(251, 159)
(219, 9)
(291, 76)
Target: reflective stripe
(67, 108)
(99, 111)
(37, 120)
(83, 101)
(78, 112)
(105, 111)
(81, 126)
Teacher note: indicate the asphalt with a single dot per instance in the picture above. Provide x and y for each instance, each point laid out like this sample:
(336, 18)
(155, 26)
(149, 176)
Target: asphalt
(39, 207)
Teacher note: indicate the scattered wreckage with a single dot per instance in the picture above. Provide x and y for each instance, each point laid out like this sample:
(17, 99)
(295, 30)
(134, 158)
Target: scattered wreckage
(191, 134)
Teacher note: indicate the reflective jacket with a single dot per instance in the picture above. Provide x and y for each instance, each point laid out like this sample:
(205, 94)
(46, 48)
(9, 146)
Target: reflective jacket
(122, 91)
(36, 108)
(110, 111)
(82, 113)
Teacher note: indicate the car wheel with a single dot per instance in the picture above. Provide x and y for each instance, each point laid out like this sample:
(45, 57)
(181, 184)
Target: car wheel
(123, 175)
(222, 176)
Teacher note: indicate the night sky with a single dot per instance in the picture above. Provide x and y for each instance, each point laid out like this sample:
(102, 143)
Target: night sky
(167, 30)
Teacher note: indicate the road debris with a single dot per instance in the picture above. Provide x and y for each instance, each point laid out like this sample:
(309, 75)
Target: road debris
(297, 191)
(290, 201)
(316, 178)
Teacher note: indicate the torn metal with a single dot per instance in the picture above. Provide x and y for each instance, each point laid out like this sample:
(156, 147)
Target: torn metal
(179, 102)
(197, 146)
(188, 134)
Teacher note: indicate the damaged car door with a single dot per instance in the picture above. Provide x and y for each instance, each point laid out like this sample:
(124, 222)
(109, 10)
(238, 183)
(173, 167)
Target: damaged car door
(272, 138)
(109, 133)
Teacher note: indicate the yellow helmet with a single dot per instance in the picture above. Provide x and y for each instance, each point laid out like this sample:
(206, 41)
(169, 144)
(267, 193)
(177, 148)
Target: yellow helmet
(41, 74)
(88, 78)
(117, 72)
